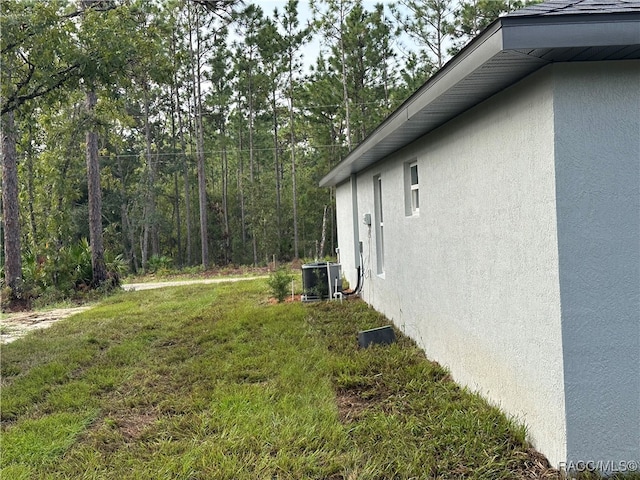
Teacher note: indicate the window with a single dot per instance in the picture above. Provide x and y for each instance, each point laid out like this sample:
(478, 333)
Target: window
(377, 195)
(415, 192)
(412, 189)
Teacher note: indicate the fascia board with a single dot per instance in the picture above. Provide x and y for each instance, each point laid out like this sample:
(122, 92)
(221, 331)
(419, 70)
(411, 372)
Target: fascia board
(391, 125)
(488, 46)
(570, 31)
(347, 166)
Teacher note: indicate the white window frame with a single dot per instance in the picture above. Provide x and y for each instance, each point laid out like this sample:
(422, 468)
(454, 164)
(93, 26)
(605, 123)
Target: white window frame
(412, 190)
(415, 189)
(379, 223)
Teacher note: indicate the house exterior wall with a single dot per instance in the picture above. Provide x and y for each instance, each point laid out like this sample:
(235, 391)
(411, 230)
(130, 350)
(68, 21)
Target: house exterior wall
(346, 226)
(521, 272)
(473, 278)
(597, 147)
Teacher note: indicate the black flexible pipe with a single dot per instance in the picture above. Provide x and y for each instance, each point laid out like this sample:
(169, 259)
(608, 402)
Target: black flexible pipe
(358, 286)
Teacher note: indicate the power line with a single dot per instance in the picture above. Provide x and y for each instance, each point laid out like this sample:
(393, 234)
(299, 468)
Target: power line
(212, 152)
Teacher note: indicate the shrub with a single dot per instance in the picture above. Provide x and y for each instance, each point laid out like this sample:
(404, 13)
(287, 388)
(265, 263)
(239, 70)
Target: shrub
(159, 264)
(55, 274)
(117, 268)
(279, 282)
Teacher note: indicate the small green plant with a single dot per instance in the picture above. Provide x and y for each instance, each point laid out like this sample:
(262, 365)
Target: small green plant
(279, 282)
(117, 267)
(159, 264)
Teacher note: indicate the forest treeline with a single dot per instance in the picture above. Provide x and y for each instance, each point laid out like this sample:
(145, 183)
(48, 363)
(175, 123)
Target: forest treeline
(138, 133)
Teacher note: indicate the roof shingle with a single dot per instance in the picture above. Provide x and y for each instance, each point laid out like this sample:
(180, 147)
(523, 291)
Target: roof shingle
(577, 7)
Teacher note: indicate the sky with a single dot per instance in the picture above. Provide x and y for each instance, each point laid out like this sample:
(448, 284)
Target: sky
(303, 5)
(311, 51)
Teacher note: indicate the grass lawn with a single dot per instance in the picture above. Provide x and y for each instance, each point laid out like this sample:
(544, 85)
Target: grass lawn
(214, 382)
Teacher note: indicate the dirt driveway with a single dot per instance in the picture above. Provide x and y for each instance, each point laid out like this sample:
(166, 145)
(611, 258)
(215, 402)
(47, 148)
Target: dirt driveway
(178, 283)
(16, 325)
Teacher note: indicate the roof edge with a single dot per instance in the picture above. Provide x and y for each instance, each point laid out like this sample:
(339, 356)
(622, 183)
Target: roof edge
(407, 109)
(517, 33)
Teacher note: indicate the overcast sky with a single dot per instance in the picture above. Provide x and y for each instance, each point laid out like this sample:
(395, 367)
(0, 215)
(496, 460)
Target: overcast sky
(311, 51)
(303, 5)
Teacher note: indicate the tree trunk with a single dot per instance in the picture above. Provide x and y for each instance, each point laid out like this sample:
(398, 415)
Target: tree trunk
(440, 51)
(144, 245)
(225, 202)
(243, 219)
(202, 188)
(128, 239)
(30, 189)
(276, 161)
(150, 203)
(323, 237)
(241, 198)
(176, 194)
(155, 226)
(345, 90)
(187, 206)
(10, 206)
(185, 179)
(176, 188)
(294, 194)
(95, 197)
(202, 192)
(185, 167)
(252, 203)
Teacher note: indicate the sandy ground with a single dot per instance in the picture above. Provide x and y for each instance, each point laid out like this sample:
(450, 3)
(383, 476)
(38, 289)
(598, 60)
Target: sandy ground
(16, 325)
(149, 286)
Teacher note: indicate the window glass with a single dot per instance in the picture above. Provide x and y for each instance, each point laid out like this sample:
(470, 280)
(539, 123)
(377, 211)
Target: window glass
(414, 193)
(379, 223)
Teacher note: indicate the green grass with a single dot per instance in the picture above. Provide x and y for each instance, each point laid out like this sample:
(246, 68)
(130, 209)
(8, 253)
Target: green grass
(213, 382)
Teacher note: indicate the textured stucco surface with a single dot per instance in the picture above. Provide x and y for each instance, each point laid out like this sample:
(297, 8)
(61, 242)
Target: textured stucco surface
(521, 273)
(597, 143)
(348, 227)
(473, 278)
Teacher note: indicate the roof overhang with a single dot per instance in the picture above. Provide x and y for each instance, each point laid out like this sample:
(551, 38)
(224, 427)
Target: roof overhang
(510, 49)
